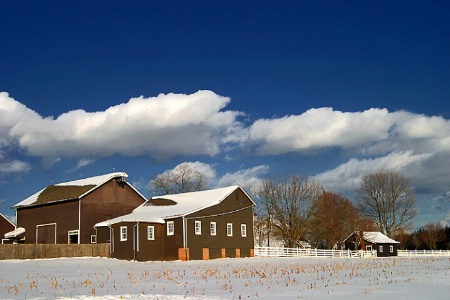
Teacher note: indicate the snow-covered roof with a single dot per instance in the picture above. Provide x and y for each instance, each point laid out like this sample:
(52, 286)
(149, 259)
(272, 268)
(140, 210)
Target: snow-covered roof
(378, 238)
(16, 232)
(183, 204)
(69, 190)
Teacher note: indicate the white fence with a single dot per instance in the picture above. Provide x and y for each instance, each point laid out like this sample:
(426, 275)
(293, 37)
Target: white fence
(409, 253)
(298, 252)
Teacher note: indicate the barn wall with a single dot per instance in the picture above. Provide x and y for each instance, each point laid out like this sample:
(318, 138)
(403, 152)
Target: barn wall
(108, 201)
(243, 214)
(5, 226)
(64, 214)
(151, 249)
(173, 242)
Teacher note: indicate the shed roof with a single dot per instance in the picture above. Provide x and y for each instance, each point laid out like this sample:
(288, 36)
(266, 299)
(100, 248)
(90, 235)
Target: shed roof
(378, 238)
(374, 237)
(70, 190)
(184, 204)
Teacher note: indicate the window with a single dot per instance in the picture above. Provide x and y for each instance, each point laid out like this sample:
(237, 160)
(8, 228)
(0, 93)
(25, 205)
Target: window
(368, 248)
(391, 249)
(213, 228)
(123, 233)
(243, 230)
(73, 236)
(170, 228)
(381, 249)
(93, 239)
(229, 229)
(150, 232)
(198, 227)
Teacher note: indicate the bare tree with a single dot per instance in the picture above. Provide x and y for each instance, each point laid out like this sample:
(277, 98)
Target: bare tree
(289, 203)
(335, 218)
(432, 234)
(182, 179)
(387, 198)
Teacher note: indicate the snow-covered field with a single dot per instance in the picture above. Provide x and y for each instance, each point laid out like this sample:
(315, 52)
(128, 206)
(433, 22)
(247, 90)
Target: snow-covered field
(251, 278)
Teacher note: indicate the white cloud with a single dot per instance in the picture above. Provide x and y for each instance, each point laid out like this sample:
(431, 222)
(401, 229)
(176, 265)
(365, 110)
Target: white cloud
(246, 178)
(160, 127)
(371, 132)
(15, 166)
(346, 177)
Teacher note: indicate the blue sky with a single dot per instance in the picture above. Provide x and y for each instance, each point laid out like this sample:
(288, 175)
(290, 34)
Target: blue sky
(243, 90)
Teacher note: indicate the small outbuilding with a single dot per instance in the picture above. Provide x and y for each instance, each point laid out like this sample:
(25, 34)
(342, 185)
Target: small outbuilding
(65, 213)
(198, 225)
(370, 241)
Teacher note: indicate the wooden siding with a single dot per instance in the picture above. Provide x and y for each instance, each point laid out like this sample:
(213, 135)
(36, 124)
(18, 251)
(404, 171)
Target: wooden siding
(108, 201)
(241, 210)
(64, 215)
(5, 226)
(175, 241)
(37, 251)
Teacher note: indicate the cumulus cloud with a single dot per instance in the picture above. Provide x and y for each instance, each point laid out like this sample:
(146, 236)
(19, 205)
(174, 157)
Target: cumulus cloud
(373, 132)
(160, 127)
(347, 177)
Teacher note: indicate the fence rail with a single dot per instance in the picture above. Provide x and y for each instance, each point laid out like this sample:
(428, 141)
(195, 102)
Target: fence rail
(34, 251)
(298, 252)
(409, 253)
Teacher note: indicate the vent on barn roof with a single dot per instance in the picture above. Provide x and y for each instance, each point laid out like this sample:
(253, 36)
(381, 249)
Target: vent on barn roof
(160, 202)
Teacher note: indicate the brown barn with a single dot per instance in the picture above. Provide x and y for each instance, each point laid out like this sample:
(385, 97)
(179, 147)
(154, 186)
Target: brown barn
(5, 226)
(67, 212)
(372, 240)
(198, 225)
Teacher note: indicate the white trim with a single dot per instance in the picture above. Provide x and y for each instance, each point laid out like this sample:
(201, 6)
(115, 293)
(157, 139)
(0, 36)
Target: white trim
(42, 225)
(213, 228)
(151, 229)
(122, 232)
(170, 232)
(198, 227)
(230, 227)
(244, 230)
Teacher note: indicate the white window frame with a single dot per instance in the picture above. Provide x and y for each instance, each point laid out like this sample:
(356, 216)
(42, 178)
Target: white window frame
(198, 227)
(381, 249)
(123, 233)
(229, 229)
(170, 228)
(369, 248)
(244, 230)
(213, 228)
(93, 239)
(151, 233)
(391, 248)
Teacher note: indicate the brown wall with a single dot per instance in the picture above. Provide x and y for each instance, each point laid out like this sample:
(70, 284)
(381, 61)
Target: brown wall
(64, 214)
(108, 201)
(238, 202)
(147, 250)
(5, 226)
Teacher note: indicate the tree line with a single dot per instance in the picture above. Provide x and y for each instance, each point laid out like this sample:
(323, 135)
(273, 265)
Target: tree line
(295, 209)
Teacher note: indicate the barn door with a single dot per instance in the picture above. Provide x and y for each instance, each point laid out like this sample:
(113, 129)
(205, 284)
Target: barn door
(46, 233)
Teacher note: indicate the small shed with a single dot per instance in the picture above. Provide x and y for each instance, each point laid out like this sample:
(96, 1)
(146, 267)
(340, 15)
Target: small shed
(189, 226)
(65, 213)
(372, 240)
(5, 226)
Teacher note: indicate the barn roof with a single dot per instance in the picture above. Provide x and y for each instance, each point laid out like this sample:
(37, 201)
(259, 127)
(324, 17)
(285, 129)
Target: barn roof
(176, 205)
(70, 190)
